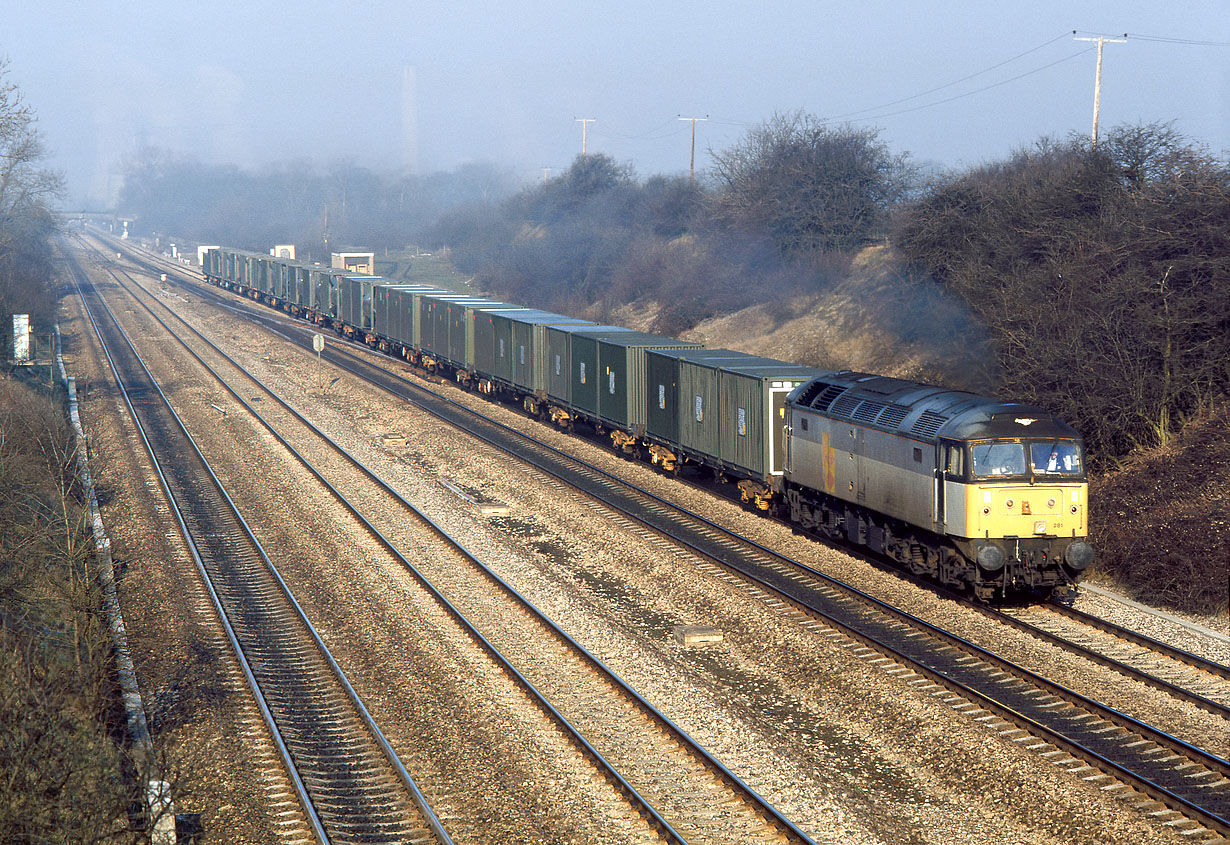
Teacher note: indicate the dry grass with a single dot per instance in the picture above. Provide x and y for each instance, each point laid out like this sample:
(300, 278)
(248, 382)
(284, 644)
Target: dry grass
(874, 319)
(63, 768)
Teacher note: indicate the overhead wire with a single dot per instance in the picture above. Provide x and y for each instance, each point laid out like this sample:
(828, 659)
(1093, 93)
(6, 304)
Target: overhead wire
(966, 78)
(954, 82)
(660, 131)
(1067, 58)
(654, 133)
(1189, 41)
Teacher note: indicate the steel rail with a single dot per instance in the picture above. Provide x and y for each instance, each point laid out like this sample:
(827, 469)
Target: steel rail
(1122, 773)
(1195, 661)
(258, 696)
(1136, 673)
(1127, 634)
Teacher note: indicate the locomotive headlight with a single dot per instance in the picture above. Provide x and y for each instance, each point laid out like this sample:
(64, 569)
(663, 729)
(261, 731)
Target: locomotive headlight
(1050, 503)
(1009, 503)
(1075, 509)
(986, 511)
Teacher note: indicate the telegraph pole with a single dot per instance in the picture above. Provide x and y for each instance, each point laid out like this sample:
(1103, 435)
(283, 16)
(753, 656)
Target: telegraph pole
(692, 162)
(585, 122)
(1097, 81)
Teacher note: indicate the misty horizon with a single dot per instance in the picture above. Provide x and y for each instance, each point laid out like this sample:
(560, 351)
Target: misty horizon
(437, 86)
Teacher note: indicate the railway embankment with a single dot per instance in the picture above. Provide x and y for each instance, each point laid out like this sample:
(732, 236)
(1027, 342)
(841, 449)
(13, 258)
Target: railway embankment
(64, 771)
(1162, 521)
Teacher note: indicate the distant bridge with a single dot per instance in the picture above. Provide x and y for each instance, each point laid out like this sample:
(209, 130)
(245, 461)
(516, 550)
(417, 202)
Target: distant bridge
(95, 217)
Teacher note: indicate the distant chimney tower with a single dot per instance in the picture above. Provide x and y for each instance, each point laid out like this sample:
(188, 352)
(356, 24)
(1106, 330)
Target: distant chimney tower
(410, 118)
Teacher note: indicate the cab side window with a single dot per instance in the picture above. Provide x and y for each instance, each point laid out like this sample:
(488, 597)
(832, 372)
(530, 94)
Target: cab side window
(953, 464)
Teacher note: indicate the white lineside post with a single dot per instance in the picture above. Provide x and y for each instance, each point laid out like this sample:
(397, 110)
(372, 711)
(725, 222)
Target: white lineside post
(21, 338)
(318, 343)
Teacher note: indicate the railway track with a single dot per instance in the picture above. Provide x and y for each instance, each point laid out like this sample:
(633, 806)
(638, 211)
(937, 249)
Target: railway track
(349, 782)
(1181, 674)
(1182, 785)
(684, 792)
(1184, 675)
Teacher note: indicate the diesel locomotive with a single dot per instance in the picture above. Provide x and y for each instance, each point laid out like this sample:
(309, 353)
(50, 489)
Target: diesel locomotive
(971, 491)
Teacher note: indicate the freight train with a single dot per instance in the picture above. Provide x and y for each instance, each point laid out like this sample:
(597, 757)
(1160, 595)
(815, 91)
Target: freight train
(976, 493)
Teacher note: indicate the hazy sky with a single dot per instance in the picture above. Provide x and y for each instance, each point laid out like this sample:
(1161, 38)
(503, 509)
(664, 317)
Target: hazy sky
(430, 85)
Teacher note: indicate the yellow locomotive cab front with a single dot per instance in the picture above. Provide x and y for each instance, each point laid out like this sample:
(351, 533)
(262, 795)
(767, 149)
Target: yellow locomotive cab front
(1027, 500)
(1014, 510)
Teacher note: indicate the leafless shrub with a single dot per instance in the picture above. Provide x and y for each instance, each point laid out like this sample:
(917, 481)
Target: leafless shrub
(1102, 276)
(65, 771)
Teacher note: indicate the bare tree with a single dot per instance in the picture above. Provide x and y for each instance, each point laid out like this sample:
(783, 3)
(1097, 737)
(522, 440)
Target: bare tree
(62, 776)
(807, 186)
(26, 218)
(1104, 276)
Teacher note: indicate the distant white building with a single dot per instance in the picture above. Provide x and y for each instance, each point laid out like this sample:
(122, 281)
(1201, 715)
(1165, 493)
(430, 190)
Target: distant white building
(283, 251)
(355, 262)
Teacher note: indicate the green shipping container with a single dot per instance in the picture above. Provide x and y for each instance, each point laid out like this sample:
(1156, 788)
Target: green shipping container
(301, 285)
(493, 342)
(752, 401)
(210, 262)
(433, 321)
(681, 396)
(326, 284)
(461, 329)
(561, 372)
(393, 311)
(584, 374)
(529, 348)
(260, 273)
(621, 383)
(355, 301)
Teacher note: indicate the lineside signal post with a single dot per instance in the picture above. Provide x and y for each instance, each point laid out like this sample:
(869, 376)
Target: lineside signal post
(318, 343)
